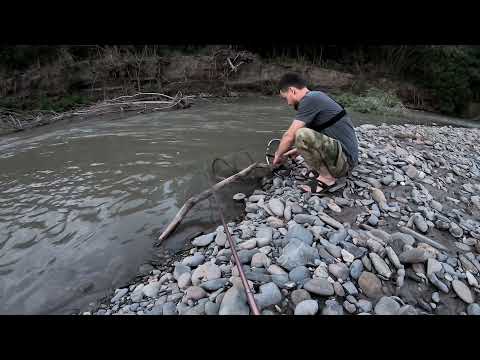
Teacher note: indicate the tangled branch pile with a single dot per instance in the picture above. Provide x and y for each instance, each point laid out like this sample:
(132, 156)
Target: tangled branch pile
(140, 102)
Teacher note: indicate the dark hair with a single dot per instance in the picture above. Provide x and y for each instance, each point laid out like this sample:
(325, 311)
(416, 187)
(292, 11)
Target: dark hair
(291, 79)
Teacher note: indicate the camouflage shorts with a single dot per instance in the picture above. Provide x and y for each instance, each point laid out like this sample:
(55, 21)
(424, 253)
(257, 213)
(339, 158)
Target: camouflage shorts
(318, 149)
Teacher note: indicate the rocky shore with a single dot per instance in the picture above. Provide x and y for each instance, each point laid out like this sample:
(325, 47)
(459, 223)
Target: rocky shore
(416, 188)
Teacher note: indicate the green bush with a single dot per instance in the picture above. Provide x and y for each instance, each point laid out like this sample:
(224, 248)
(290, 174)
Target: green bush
(373, 101)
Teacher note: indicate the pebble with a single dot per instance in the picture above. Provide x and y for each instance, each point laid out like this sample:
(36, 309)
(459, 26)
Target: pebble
(350, 288)
(413, 256)
(305, 219)
(462, 291)
(119, 293)
(332, 307)
(436, 297)
(319, 287)
(370, 284)
(179, 270)
(214, 285)
(269, 294)
(299, 295)
(339, 270)
(473, 309)
(420, 223)
(387, 306)
(234, 302)
(276, 206)
(356, 269)
(299, 274)
(338, 289)
(347, 257)
(239, 197)
(203, 240)
(380, 266)
(306, 307)
(364, 305)
(351, 308)
(169, 308)
(433, 266)
(455, 230)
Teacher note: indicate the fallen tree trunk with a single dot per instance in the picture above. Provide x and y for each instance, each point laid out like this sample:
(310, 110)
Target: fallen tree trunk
(191, 202)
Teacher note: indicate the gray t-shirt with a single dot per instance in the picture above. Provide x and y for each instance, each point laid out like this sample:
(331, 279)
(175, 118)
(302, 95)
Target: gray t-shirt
(316, 108)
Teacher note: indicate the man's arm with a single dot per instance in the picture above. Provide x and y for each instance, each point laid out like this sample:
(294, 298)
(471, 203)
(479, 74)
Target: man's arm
(287, 141)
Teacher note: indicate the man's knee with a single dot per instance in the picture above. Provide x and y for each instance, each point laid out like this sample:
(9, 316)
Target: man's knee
(304, 137)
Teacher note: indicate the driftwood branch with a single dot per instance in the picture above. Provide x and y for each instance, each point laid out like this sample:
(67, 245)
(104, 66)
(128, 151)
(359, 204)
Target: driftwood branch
(422, 238)
(191, 202)
(140, 102)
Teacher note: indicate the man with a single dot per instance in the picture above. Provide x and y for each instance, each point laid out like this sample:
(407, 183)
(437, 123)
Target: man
(321, 132)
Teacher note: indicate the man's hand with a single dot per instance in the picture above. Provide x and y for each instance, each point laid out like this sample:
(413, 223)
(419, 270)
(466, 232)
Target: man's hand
(292, 153)
(278, 159)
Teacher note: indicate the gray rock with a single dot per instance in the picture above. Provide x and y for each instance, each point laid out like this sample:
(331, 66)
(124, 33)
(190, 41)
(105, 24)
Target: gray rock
(364, 305)
(296, 209)
(299, 295)
(276, 270)
(351, 308)
(318, 231)
(462, 291)
(442, 225)
(367, 263)
(203, 240)
(373, 220)
(319, 287)
(245, 256)
(356, 251)
(260, 260)
(437, 283)
(276, 206)
(325, 255)
(194, 261)
(264, 236)
(269, 295)
(198, 309)
(300, 233)
(307, 307)
(386, 180)
(387, 306)
(256, 198)
(118, 295)
(380, 266)
(433, 266)
(305, 219)
(151, 289)
(350, 288)
(370, 284)
(207, 271)
(356, 269)
(420, 223)
(407, 310)
(214, 285)
(413, 256)
(185, 280)
(169, 308)
(137, 294)
(239, 197)
(436, 205)
(195, 293)
(455, 230)
(334, 250)
(211, 308)
(234, 302)
(297, 253)
(338, 236)
(339, 270)
(332, 307)
(275, 222)
(399, 240)
(436, 297)
(248, 244)
(299, 274)
(287, 213)
(338, 289)
(392, 256)
(473, 309)
(221, 238)
(179, 270)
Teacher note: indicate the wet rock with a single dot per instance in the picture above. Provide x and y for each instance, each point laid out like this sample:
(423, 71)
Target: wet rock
(462, 291)
(420, 223)
(179, 270)
(300, 233)
(387, 306)
(339, 270)
(234, 302)
(203, 240)
(276, 206)
(306, 307)
(473, 309)
(214, 285)
(350, 288)
(305, 219)
(194, 261)
(319, 287)
(195, 293)
(380, 266)
(299, 274)
(455, 230)
(356, 269)
(413, 256)
(269, 295)
(332, 307)
(297, 253)
(299, 295)
(370, 284)
(239, 197)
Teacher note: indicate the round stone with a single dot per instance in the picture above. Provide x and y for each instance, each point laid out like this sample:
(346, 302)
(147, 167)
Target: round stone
(387, 306)
(299, 295)
(307, 307)
(239, 197)
(462, 291)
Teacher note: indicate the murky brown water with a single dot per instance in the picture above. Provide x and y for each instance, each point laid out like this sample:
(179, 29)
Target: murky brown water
(82, 203)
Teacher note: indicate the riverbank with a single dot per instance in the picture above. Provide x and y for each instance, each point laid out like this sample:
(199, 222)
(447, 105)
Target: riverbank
(309, 254)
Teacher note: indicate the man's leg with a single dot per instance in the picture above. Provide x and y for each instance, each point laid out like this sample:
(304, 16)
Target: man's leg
(322, 153)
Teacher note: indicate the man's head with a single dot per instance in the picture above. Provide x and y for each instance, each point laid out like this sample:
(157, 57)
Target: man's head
(292, 88)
